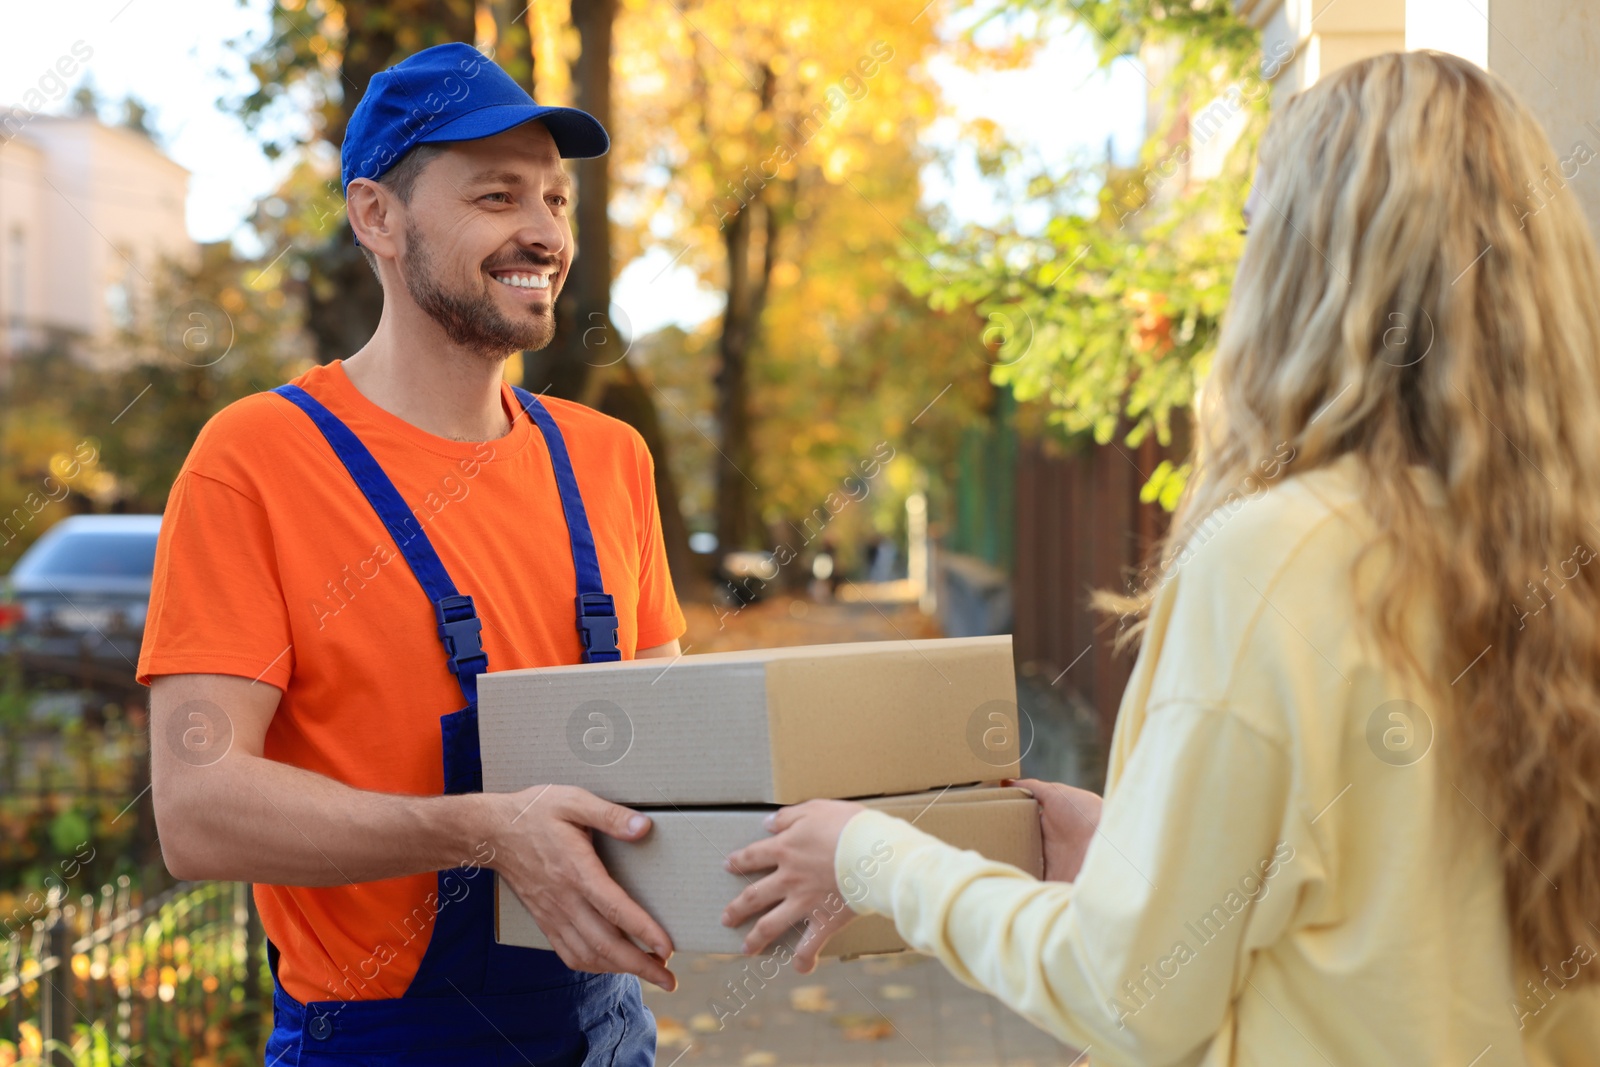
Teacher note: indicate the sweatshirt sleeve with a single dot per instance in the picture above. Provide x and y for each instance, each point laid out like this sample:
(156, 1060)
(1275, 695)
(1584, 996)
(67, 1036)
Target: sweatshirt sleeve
(1141, 956)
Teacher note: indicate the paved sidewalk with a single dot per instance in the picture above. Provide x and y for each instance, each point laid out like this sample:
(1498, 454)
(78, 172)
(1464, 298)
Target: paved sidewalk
(886, 1010)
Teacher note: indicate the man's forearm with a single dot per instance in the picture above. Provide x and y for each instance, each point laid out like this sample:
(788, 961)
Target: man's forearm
(251, 819)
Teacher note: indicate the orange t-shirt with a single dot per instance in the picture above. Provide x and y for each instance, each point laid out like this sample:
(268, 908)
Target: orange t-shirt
(272, 565)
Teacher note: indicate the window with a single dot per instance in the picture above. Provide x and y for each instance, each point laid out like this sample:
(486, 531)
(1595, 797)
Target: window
(76, 555)
(16, 271)
(119, 294)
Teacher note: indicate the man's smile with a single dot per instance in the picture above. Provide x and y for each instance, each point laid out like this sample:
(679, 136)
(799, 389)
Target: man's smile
(522, 278)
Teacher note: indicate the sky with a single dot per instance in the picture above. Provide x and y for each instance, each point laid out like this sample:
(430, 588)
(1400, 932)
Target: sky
(172, 54)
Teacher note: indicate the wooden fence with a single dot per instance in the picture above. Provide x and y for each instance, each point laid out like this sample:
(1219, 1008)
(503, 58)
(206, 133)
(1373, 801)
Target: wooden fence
(1080, 526)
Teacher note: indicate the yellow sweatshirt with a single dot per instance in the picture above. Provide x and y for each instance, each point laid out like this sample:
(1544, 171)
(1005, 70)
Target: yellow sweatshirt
(1285, 872)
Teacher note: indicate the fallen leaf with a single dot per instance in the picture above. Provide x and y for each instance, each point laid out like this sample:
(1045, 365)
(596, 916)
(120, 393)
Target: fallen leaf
(876, 965)
(704, 1023)
(898, 992)
(758, 1058)
(867, 1028)
(670, 1032)
(811, 998)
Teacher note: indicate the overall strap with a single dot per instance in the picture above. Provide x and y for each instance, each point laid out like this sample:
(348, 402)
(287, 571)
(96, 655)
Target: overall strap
(597, 612)
(459, 625)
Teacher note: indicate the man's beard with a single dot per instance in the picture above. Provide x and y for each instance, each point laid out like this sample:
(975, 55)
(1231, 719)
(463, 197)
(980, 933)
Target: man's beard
(474, 321)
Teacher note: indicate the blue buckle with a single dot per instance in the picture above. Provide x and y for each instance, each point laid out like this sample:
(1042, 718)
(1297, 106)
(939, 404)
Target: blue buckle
(597, 627)
(462, 633)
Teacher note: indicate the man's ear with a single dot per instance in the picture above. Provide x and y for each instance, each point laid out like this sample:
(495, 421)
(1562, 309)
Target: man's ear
(374, 217)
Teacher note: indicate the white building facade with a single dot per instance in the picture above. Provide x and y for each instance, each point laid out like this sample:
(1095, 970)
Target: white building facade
(1548, 50)
(89, 216)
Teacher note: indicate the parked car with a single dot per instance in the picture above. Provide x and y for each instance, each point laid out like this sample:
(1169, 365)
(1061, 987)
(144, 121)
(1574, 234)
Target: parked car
(81, 591)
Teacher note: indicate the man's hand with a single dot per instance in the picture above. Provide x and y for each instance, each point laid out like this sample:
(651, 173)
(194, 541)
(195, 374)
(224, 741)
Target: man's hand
(225, 812)
(800, 857)
(1068, 817)
(543, 851)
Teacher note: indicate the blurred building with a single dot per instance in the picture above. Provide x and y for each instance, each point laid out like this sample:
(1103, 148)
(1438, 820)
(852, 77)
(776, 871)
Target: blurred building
(89, 215)
(1548, 50)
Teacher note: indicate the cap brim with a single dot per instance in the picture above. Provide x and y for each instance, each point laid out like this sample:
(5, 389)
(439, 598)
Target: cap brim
(578, 134)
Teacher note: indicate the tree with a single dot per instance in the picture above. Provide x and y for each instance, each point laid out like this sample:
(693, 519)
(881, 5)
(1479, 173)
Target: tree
(332, 50)
(1109, 317)
(85, 101)
(136, 117)
(509, 38)
(586, 337)
(207, 336)
(329, 50)
(774, 142)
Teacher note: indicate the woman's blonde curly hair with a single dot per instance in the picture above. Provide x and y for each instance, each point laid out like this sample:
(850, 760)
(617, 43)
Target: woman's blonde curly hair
(1420, 288)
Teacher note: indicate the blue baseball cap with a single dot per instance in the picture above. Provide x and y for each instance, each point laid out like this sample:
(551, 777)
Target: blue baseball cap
(451, 92)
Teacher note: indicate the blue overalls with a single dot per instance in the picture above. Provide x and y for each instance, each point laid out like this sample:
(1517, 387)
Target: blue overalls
(472, 1001)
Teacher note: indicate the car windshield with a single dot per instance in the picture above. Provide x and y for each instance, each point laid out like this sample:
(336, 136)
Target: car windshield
(87, 555)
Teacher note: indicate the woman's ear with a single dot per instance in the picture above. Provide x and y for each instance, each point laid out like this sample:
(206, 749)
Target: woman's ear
(373, 217)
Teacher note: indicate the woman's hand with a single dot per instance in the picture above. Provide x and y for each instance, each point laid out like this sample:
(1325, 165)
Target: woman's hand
(800, 887)
(1068, 817)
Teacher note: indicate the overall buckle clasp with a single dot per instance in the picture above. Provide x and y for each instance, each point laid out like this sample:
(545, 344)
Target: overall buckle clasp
(462, 633)
(597, 627)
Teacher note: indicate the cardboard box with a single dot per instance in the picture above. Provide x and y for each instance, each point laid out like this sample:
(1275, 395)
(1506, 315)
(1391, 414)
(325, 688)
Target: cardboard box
(676, 872)
(773, 726)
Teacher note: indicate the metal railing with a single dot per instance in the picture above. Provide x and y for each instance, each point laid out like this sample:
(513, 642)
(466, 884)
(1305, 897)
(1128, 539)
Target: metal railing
(111, 978)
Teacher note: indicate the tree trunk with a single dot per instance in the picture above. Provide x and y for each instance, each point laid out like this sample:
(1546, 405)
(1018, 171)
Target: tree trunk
(513, 42)
(373, 33)
(343, 297)
(738, 524)
(735, 502)
(627, 398)
(585, 337)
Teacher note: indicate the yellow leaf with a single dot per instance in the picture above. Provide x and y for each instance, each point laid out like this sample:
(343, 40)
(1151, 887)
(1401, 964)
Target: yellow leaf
(866, 1028)
(31, 1044)
(811, 998)
(670, 1033)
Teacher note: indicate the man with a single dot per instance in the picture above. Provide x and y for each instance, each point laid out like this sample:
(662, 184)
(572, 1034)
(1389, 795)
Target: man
(342, 557)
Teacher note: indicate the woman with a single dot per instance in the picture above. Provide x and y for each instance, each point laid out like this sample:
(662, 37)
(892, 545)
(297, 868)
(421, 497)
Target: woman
(1353, 813)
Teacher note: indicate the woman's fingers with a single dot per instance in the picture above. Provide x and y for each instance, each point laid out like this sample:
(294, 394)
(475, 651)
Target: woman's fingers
(784, 818)
(1082, 804)
(754, 858)
(788, 915)
(817, 934)
(756, 898)
(1059, 796)
(800, 856)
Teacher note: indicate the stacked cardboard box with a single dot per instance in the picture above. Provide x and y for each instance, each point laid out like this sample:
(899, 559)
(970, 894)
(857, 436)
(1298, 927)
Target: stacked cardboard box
(709, 744)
